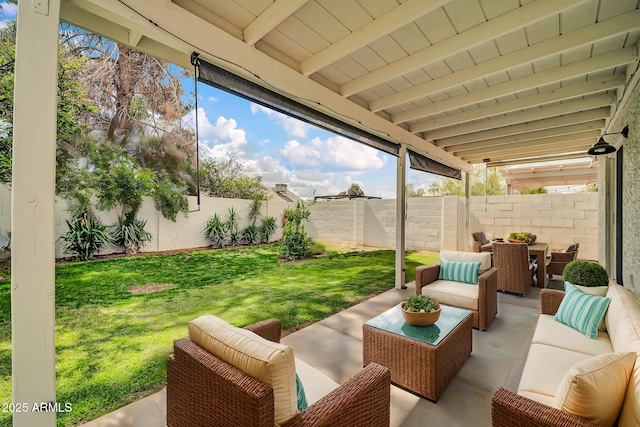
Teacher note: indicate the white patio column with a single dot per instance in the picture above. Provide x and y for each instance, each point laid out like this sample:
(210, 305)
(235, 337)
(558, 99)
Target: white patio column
(400, 216)
(467, 212)
(32, 211)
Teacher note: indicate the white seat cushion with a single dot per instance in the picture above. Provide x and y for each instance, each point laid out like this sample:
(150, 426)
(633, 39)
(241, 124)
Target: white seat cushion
(457, 294)
(551, 332)
(545, 368)
(316, 384)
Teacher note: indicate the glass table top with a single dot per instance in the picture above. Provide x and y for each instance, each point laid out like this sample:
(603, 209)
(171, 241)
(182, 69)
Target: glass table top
(392, 321)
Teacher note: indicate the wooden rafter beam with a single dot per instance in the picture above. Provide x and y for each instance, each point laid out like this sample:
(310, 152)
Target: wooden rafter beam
(270, 18)
(503, 24)
(587, 35)
(579, 68)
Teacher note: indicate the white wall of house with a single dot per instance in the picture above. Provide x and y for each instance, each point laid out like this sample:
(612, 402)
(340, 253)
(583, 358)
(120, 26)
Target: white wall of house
(631, 194)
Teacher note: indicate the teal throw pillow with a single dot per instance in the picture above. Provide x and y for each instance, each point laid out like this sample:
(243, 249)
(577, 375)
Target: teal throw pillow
(302, 398)
(583, 312)
(466, 272)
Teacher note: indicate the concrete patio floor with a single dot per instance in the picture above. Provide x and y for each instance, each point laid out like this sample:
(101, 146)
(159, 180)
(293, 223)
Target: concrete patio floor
(334, 346)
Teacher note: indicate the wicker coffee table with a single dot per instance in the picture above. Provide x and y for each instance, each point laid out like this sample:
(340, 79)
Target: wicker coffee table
(422, 359)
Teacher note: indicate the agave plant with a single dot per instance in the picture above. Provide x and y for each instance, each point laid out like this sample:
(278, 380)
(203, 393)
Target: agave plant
(251, 235)
(87, 235)
(129, 232)
(216, 231)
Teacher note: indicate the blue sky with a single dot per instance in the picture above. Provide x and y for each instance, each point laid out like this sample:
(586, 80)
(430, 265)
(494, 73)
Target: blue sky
(284, 150)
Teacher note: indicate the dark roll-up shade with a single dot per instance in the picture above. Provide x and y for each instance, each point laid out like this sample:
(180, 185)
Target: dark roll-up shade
(422, 163)
(217, 77)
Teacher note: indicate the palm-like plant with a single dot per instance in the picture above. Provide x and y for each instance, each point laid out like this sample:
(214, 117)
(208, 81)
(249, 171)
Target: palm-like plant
(87, 235)
(215, 231)
(129, 232)
(268, 228)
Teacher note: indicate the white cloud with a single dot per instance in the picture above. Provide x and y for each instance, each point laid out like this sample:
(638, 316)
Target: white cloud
(292, 127)
(335, 153)
(219, 139)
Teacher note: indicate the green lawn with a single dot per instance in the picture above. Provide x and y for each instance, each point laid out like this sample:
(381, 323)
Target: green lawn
(112, 345)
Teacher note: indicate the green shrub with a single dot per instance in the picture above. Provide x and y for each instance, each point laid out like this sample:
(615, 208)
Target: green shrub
(87, 235)
(295, 242)
(268, 228)
(215, 231)
(585, 273)
(317, 248)
(250, 235)
(129, 233)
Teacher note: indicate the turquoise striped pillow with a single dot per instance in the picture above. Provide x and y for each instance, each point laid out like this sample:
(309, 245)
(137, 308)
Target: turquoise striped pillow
(466, 272)
(583, 312)
(302, 397)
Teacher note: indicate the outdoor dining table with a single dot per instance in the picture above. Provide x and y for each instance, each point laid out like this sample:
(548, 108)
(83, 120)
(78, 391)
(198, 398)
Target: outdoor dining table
(541, 252)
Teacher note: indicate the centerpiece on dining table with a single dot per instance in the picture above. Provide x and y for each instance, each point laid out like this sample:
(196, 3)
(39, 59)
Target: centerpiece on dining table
(420, 310)
(522, 237)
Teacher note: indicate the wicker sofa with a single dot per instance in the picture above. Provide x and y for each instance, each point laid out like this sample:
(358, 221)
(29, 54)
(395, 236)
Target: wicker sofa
(203, 390)
(481, 299)
(557, 351)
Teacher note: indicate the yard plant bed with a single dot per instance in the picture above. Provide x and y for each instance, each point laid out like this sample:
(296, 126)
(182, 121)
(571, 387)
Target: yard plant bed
(112, 343)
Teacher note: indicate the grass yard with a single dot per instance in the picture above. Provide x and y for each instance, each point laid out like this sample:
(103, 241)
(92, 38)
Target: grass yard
(112, 344)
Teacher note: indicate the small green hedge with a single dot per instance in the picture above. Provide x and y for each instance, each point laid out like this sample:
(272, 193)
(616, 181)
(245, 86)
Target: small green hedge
(585, 273)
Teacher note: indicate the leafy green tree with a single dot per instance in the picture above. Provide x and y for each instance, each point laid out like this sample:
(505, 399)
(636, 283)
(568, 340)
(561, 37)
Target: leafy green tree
(483, 182)
(227, 178)
(296, 244)
(539, 190)
(74, 106)
(353, 190)
(411, 191)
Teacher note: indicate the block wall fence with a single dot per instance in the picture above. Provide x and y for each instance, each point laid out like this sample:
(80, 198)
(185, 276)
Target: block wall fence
(433, 223)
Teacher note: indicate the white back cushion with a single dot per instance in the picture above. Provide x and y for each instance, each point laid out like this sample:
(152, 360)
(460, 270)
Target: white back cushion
(623, 325)
(483, 257)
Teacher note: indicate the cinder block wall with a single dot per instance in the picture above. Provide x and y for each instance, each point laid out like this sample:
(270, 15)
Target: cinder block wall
(557, 219)
(435, 223)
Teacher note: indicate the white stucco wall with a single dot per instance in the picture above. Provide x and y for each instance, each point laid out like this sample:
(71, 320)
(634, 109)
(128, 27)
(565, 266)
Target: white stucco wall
(184, 233)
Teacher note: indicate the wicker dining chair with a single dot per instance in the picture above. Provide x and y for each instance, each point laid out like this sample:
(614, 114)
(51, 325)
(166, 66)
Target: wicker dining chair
(559, 260)
(515, 271)
(203, 390)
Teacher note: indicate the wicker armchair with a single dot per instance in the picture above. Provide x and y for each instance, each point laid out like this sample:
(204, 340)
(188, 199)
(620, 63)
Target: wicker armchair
(202, 390)
(560, 259)
(515, 271)
(487, 293)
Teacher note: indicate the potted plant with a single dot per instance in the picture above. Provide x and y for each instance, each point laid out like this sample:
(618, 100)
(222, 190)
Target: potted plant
(420, 310)
(585, 273)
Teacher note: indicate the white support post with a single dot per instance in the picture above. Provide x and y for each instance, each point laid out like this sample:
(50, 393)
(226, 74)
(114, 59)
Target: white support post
(400, 217)
(467, 212)
(32, 212)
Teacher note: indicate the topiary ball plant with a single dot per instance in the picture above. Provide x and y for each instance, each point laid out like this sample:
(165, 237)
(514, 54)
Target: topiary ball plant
(585, 273)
